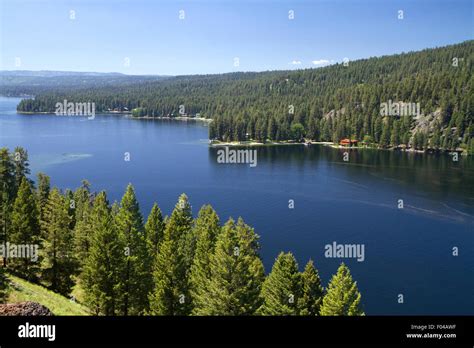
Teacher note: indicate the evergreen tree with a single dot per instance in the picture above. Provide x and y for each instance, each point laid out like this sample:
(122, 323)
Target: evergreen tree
(342, 297)
(378, 129)
(25, 230)
(154, 230)
(7, 195)
(281, 290)
(83, 228)
(184, 223)
(206, 230)
(136, 276)
(385, 137)
(395, 138)
(171, 292)
(42, 193)
(71, 204)
(101, 277)
(312, 292)
(447, 140)
(21, 165)
(59, 263)
(237, 272)
(435, 140)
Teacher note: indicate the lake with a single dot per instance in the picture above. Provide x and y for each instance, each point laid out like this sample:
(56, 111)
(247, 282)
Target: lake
(408, 251)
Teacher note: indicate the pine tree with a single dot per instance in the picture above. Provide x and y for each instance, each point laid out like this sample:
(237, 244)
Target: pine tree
(42, 193)
(281, 290)
(184, 221)
(136, 277)
(7, 195)
(435, 140)
(342, 297)
(385, 137)
(154, 230)
(171, 289)
(378, 129)
(21, 165)
(83, 228)
(25, 229)
(206, 230)
(59, 264)
(101, 277)
(395, 138)
(312, 292)
(237, 272)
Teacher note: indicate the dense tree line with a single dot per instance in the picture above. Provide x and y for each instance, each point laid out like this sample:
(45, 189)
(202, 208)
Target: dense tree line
(325, 104)
(176, 265)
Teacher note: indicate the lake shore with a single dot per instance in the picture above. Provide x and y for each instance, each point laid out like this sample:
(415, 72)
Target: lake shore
(127, 114)
(53, 113)
(216, 143)
(177, 118)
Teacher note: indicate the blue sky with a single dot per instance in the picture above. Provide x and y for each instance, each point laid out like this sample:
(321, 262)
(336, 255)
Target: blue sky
(105, 35)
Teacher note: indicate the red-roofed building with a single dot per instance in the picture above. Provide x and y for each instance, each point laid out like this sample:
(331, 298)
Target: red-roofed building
(347, 142)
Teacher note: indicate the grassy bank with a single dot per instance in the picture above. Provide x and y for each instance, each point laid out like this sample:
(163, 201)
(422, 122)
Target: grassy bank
(22, 290)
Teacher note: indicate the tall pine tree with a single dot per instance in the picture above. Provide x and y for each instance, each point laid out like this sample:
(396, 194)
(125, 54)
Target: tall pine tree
(42, 193)
(154, 230)
(206, 230)
(237, 272)
(281, 290)
(101, 276)
(312, 292)
(83, 228)
(25, 230)
(342, 297)
(171, 288)
(59, 263)
(136, 276)
(21, 165)
(7, 194)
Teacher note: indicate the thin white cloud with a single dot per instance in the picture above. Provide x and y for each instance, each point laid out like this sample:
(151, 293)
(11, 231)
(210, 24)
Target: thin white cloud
(321, 62)
(296, 62)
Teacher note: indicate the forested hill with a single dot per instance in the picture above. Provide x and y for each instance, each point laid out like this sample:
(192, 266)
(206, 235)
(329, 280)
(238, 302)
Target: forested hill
(325, 104)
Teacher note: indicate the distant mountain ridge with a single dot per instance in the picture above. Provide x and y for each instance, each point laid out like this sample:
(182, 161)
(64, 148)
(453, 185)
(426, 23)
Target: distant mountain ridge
(54, 73)
(27, 82)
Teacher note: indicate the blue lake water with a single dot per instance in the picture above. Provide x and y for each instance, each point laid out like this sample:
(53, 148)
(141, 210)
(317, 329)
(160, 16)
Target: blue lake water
(407, 251)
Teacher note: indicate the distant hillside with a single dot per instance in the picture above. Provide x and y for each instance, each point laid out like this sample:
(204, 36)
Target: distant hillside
(325, 104)
(52, 73)
(24, 82)
(21, 290)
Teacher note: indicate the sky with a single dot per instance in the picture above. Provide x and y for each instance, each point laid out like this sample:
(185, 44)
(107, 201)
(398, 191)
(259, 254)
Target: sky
(209, 36)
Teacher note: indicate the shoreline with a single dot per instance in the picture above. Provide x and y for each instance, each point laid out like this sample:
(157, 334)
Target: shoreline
(177, 118)
(53, 113)
(214, 143)
(330, 144)
(127, 114)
